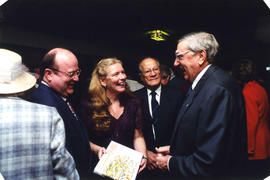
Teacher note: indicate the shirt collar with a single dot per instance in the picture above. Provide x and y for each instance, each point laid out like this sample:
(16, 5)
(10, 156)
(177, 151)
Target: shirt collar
(158, 91)
(199, 76)
(46, 84)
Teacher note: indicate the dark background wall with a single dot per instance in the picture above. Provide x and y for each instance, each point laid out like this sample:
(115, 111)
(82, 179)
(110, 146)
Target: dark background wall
(115, 28)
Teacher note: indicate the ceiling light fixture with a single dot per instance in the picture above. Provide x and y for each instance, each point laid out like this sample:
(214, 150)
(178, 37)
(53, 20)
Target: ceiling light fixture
(158, 35)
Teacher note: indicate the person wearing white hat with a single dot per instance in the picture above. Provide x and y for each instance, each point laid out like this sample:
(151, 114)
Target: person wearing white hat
(32, 136)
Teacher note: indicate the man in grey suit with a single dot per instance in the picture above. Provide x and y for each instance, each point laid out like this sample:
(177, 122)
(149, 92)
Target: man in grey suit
(209, 137)
(159, 118)
(32, 136)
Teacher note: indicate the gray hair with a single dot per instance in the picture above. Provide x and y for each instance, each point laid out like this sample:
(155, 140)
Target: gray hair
(198, 41)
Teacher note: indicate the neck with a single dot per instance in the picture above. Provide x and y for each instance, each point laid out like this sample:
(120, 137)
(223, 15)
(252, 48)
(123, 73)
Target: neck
(153, 88)
(112, 96)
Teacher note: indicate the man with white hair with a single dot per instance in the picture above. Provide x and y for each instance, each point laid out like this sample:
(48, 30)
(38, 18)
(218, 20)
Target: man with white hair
(209, 136)
(32, 136)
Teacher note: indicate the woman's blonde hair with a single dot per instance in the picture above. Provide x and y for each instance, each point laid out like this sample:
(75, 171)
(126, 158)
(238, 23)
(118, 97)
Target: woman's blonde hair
(99, 101)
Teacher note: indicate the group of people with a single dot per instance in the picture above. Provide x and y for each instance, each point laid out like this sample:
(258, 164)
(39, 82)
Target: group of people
(201, 133)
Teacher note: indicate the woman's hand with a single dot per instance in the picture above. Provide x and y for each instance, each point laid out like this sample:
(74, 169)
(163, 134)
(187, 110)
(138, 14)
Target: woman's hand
(101, 151)
(143, 164)
(151, 160)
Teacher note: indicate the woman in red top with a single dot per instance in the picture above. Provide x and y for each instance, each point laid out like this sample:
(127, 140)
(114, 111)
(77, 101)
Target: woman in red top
(257, 112)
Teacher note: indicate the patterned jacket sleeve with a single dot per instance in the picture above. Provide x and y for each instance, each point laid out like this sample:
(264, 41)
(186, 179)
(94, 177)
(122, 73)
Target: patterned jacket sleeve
(63, 163)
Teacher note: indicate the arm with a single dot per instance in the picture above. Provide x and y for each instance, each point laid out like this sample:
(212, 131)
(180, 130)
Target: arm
(98, 150)
(252, 117)
(63, 163)
(139, 145)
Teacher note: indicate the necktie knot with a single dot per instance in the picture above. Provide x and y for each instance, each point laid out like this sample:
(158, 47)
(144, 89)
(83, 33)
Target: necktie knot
(153, 93)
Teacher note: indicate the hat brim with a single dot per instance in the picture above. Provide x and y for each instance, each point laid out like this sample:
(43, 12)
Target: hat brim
(20, 84)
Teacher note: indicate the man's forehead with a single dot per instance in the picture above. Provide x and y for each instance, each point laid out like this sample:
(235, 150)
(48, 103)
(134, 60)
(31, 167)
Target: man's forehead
(180, 47)
(149, 62)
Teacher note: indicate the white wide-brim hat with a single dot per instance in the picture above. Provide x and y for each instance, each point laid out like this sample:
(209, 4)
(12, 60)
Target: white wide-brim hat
(14, 77)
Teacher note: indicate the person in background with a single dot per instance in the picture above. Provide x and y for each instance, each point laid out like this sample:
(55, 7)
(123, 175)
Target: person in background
(178, 82)
(134, 85)
(59, 72)
(257, 112)
(159, 118)
(111, 112)
(32, 135)
(165, 73)
(209, 137)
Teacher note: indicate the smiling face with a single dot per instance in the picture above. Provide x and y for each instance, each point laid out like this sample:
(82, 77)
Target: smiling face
(115, 80)
(150, 73)
(188, 61)
(58, 80)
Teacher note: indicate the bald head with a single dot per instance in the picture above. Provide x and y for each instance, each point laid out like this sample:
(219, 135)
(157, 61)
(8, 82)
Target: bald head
(59, 69)
(150, 73)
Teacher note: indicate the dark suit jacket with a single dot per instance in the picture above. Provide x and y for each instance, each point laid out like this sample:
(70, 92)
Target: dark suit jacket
(209, 138)
(77, 141)
(170, 103)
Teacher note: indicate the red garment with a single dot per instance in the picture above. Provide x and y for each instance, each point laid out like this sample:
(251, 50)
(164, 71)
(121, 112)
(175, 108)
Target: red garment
(257, 110)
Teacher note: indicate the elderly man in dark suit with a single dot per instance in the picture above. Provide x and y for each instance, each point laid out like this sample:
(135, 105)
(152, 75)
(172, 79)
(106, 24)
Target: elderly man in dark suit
(59, 72)
(159, 118)
(209, 138)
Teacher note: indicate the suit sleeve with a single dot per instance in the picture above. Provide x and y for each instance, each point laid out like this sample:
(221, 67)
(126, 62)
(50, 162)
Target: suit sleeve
(63, 163)
(209, 155)
(252, 117)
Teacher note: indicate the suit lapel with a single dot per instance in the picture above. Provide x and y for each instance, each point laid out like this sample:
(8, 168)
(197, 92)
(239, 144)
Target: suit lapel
(62, 108)
(189, 100)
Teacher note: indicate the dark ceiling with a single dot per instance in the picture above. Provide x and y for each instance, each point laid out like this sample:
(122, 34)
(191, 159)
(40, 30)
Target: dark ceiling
(116, 27)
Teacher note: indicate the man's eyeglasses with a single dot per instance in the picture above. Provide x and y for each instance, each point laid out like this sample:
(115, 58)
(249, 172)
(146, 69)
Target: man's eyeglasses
(181, 55)
(69, 74)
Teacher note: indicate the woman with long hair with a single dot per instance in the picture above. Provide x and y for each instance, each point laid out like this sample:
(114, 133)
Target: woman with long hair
(113, 112)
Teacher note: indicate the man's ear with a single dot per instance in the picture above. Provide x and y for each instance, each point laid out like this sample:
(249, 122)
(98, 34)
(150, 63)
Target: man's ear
(202, 57)
(48, 74)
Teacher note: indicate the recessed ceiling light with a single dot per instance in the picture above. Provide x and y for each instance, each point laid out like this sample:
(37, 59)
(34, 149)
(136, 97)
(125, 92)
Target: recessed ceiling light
(158, 35)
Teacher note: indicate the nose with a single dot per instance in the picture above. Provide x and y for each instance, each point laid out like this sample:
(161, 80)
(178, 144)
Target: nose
(153, 72)
(176, 62)
(123, 76)
(75, 77)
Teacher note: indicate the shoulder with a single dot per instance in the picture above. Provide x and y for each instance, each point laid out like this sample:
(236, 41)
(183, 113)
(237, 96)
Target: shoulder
(140, 91)
(222, 80)
(44, 95)
(168, 90)
(254, 89)
(24, 106)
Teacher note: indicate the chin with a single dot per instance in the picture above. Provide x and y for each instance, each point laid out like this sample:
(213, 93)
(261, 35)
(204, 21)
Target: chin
(121, 90)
